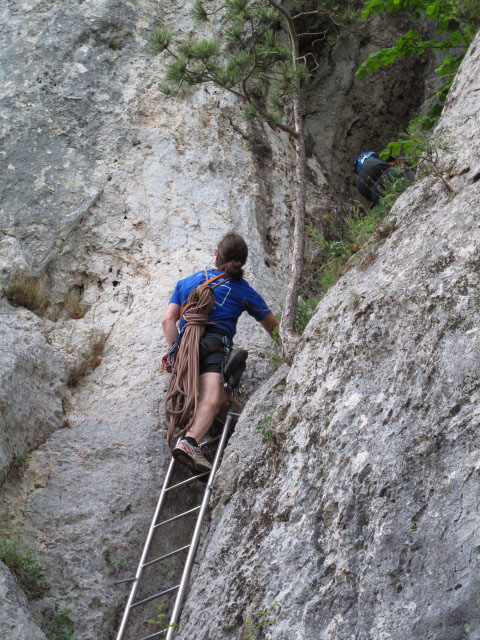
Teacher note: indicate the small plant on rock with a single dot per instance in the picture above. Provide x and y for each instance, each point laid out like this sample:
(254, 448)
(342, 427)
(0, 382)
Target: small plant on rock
(275, 351)
(26, 291)
(160, 619)
(60, 626)
(262, 620)
(305, 310)
(20, 462)
(90, 361)
(265, 429)
(23, 563)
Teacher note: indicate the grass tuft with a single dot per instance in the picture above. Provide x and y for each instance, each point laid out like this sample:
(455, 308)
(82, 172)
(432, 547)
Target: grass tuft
(89, 362)
(265, 428)
(20, 462)
(25, 291)
(23, 563)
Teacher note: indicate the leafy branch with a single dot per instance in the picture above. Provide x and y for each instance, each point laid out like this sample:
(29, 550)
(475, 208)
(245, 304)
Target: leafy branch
(456, 22)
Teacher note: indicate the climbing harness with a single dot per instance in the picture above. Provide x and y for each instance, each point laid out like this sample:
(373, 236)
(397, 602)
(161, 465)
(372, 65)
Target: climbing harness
(183, 387)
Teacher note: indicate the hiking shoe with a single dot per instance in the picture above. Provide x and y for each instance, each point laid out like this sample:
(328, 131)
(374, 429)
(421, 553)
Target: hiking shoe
(190, 456)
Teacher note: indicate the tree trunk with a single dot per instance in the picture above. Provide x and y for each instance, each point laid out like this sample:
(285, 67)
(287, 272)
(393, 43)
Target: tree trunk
(288, 335)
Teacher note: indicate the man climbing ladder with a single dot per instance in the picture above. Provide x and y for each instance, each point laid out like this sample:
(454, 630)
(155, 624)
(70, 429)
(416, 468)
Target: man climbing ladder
(208, 305)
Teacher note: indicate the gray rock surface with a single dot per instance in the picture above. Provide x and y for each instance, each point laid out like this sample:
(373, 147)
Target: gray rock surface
(111, 193)
(32, 384)
(138, 191)
(360, 518)
(15, 619)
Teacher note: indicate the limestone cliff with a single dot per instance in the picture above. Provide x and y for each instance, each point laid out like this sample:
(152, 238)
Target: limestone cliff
(111, 193)
(360, 519)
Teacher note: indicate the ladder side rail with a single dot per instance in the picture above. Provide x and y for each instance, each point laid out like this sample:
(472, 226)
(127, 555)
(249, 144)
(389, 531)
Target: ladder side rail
(146, 547)
(196, 534)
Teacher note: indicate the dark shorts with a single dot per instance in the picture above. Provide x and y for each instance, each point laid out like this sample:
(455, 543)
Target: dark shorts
(212, 354)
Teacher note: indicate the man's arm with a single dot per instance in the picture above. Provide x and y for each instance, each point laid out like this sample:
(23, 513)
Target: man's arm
(169, 323)
(269, 323)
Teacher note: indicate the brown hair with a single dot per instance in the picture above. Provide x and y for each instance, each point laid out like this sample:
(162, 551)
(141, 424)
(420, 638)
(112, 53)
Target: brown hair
(232, 252)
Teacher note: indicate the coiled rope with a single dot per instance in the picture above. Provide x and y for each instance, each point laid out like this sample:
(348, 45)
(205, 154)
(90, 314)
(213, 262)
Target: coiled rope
(183, 387)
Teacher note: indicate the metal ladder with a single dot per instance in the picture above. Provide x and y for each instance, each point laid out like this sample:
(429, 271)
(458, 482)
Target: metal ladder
(181, 587)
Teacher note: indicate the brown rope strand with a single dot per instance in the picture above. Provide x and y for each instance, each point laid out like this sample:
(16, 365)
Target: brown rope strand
(183, 387)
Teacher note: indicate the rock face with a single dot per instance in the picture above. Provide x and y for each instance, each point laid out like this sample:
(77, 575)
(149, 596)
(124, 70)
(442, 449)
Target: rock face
(359, 518)
(16, 620)
(110, 194)
(32, 380)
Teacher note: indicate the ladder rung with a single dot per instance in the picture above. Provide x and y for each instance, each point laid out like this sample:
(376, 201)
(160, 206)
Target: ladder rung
(167, 555)
(124, 580)
(209, 441)
(180, 515)
(157, 595)
(155, 635)
(179, 484)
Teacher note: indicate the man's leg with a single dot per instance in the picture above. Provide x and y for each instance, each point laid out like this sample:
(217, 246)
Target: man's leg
(210, 400)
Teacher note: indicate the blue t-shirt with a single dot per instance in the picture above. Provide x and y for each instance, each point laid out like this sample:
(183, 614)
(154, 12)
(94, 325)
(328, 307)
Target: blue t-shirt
(232, 298)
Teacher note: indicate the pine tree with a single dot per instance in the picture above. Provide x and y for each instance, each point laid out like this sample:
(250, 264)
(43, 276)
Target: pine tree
(268, 72)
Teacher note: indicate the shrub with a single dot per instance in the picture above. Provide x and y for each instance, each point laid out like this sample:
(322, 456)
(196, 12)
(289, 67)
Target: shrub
(275, 350)
(25, 291)
(23, 563)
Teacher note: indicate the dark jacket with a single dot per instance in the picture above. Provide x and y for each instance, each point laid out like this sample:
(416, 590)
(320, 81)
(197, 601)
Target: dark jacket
(374, 175)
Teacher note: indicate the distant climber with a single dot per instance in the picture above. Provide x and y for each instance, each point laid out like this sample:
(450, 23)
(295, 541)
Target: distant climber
(375, 174)
(199, 349)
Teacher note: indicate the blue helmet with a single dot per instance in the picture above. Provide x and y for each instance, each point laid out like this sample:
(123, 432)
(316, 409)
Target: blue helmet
(359, 160)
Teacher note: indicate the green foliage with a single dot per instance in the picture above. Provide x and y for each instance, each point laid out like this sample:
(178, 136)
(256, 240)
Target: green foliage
(421, 149)
(250, 111)
(305, 310)
(275, 350)
(359, 227)
(23, 563)
(60, 625)
(251, 56)
(265, 428)
(456, 22)
(159, 40)
(198, 12)
(21, 461)
(160, 619)
(25, 291)
(262, 621)
(414, 144)
(201, 50)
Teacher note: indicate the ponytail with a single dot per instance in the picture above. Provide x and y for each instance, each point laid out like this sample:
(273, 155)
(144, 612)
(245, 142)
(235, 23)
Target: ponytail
(232, 252)
(232, 269)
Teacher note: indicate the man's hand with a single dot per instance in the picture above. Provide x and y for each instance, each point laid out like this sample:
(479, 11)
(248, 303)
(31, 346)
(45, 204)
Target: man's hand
(168, 360)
